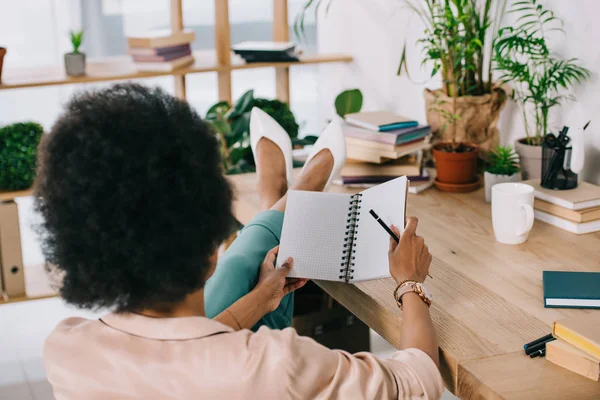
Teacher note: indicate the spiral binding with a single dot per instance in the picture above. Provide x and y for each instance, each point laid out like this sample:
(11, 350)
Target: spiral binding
(348, 257)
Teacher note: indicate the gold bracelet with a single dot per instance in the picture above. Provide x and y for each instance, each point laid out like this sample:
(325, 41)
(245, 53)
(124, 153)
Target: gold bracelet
(234, 318)
(400, 285)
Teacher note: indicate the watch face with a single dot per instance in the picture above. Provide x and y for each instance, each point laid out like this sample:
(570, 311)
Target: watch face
(425, 290)
(428, 294)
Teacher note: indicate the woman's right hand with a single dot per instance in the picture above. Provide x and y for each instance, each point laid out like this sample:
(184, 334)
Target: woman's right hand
(409, 259)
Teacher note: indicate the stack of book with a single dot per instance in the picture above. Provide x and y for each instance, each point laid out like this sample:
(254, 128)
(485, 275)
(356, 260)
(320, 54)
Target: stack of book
(161, 50)
(577, 345)
(575, 210)
(382, 146)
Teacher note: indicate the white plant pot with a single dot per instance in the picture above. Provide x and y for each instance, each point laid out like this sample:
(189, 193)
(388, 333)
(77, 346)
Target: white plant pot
(492, 179)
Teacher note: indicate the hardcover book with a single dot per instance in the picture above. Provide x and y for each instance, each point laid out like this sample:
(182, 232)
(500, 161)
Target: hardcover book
(570, 289)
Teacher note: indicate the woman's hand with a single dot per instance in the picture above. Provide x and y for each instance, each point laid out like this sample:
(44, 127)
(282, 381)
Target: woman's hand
(273, 283)
(409, 259)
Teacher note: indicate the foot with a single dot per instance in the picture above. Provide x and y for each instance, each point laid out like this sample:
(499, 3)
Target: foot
(316, 173)
(272, 182)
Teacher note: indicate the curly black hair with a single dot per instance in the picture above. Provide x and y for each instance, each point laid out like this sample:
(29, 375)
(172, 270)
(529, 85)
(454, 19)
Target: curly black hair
(133, 198)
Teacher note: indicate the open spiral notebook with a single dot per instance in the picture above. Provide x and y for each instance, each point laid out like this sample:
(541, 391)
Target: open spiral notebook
(331, 236)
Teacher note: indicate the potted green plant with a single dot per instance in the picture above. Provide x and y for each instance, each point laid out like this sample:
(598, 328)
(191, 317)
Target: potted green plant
(75, 61)
(541, 80)
(503, 167)
(458, 36)
(457, 42)
(18, 154)
(2, 54)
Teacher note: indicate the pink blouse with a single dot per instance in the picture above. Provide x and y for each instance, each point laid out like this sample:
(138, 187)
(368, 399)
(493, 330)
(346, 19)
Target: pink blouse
(129, 356)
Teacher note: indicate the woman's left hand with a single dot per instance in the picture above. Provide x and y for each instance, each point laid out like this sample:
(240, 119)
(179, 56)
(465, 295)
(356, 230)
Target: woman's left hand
(273, 283)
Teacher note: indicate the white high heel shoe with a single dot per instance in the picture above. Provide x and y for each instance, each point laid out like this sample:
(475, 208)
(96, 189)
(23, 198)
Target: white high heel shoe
(263, 125)
(333, 139)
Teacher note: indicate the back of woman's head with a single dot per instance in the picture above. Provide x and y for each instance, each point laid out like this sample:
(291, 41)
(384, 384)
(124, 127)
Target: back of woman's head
(133, 199)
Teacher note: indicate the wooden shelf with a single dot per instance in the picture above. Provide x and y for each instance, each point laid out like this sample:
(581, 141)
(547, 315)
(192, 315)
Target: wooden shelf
(9, 196)
(122, 68)
(25, 298)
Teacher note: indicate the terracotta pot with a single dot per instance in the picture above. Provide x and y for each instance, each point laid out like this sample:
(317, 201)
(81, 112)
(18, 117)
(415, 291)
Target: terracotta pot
(492, 179)
(530, 158)
(2, 54)
(478, 117)
(455, 168)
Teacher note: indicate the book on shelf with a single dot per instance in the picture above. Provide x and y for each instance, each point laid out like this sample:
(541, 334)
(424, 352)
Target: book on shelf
(570, 357)
(416, 184)
(165, 66)
(380, 121)
(409, 165)
(570, 226)
(577, 216)
(162, 58)
(353, 180)
(382, 146)
(361, 153)
(157, 51)
(161, 38)
(393, 137)
(585, 195)
(571, 289)
(582, 332)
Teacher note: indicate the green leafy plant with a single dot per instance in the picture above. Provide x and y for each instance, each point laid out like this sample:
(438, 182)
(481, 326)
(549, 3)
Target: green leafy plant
(503, 161)
(541, 79)
(348, 102)
(232, 125)
(76, 40)
(459, 37)
(18, 151)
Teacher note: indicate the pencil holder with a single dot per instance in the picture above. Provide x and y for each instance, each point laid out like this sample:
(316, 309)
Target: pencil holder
(556, 169)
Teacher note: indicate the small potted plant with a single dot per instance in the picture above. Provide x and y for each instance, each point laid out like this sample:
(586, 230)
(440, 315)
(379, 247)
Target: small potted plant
(75, 61)
(503, 167)
(541, 80)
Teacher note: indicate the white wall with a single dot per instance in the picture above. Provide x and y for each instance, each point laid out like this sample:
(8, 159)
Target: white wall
(373, 32)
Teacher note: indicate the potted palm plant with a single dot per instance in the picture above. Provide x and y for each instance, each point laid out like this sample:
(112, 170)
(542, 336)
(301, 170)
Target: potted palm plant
(458, 37)
(75, 61)
(458, 41)
(503, 167)
(541, 80)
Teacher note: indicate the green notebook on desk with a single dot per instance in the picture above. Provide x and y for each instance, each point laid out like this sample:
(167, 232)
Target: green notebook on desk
(566, 289)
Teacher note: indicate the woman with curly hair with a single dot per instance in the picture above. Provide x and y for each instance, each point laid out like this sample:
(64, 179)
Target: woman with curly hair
(135, 204)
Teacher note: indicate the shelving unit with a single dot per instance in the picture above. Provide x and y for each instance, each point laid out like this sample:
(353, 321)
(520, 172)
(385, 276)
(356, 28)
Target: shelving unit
(219, 60)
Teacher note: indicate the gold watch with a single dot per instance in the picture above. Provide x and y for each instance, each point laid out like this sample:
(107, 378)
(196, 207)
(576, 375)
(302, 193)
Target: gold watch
(412, 286)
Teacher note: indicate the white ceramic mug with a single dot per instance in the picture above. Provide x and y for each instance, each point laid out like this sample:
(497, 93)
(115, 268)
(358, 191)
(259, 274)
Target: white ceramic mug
(512, 212)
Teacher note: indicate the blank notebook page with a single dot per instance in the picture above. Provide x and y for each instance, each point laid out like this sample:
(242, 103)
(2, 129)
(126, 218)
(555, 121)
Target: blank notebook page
(388, 200)
(313, 234)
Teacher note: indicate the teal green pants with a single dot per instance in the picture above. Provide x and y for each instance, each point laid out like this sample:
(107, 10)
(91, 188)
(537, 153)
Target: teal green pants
(237, 271)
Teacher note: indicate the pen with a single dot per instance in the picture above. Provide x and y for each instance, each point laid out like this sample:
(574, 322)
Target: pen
(387, 229)
(536, 341)
(539, 346)
(541, 352)
(384, 226)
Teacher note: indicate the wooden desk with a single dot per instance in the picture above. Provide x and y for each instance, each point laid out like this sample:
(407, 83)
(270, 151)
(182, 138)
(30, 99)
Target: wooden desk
(488, 297)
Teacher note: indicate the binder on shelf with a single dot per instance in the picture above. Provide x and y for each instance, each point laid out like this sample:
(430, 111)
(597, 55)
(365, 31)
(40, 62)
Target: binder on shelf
(11, 259)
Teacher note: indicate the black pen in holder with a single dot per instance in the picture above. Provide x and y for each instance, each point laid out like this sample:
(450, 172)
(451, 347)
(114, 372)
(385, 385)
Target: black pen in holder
(556, 168)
